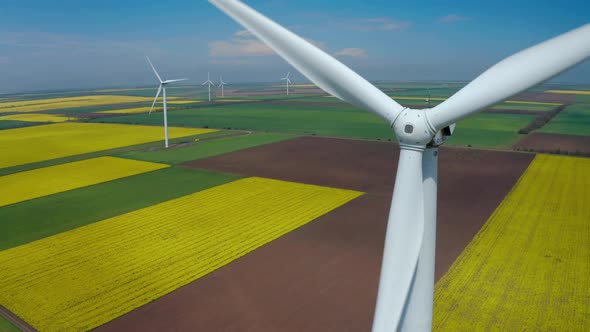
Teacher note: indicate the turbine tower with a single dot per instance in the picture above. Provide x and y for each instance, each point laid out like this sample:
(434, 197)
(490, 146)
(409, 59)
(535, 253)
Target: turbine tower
(209, 83)
(406, 284)
(221, 84)
(287, 81)
(162, 88)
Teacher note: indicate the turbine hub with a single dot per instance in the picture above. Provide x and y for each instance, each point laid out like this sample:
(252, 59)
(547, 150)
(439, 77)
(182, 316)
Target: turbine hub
(411, 128)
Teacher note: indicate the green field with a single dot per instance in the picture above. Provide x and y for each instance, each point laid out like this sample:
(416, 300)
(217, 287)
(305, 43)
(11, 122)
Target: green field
(9, 124)
(6, 326)
(207, 149)
(583, 99)
(524, 107)
(344, 121)
(573, 120)
(497, 130)
(38, 218)
(489, 130)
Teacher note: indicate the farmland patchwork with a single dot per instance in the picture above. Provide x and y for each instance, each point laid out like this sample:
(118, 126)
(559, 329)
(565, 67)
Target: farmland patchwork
(82, 278)
(68, 102)
(54, 179)
(32, 144)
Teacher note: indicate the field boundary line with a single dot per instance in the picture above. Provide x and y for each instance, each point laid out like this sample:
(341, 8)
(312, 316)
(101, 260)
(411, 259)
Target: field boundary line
(15, 320)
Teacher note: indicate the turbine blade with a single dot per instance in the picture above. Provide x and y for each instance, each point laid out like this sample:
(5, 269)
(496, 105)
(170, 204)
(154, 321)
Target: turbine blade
(319, 67)
(514, 74)
(156, 99)
(176, 80)
(403, 240)
(154, 69)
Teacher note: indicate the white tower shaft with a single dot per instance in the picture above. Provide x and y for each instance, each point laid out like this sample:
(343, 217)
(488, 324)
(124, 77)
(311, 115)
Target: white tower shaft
(165, 116)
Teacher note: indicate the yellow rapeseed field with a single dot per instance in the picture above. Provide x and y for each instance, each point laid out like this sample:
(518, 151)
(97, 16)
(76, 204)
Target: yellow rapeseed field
(32, 144)
(570, 92)
(35, 117)
(132, 110)
(183, 101)
(69, 102)
(528, 269)
(54, 179)
(85, 277)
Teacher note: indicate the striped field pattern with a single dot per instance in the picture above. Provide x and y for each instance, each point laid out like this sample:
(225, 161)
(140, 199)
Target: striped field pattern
(68, 102)
(572, 92)
(528, 269)
(132, 110)
(54, 179)
(35, 117)
(32, 144)
(85, 277)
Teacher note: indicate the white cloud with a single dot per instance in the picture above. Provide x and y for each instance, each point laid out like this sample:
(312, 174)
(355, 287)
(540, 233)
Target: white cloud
(244, 43)
(451, 18)
(352, 52)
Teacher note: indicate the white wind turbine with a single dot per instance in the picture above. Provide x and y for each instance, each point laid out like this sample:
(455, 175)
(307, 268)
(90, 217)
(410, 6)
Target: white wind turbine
(162, 88)
(287, 81)
(221, 84)
(405, 295)
(209, 84)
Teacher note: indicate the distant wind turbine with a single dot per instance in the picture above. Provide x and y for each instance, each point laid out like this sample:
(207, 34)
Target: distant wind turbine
(287, 80)
(221, 84)
(161, 88)
(209, 83)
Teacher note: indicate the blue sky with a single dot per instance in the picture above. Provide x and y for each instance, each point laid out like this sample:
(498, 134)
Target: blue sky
(84, 44)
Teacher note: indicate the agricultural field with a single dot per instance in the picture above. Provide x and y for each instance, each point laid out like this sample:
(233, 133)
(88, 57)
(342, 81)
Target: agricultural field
(40, 182)
(535, 107)
(328, 268)
(574, 120)
(9, 124)
(207, 148)
(98, 195)
(61, 212)
(132, 110)
(69, 102)
(135, 258)
(6, 326)
(33, 144)
(328, 121)
(489, 130)
(36, 117)
(530, 261)
(337, 121)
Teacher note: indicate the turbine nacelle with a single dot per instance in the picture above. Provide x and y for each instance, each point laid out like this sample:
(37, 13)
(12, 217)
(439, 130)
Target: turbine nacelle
(412, 129)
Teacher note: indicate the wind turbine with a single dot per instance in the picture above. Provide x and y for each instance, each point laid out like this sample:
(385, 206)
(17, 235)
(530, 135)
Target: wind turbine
(405, 295)
(287, 80)
(162, 88)
(209, 83)
(428, 98)
(221, 84)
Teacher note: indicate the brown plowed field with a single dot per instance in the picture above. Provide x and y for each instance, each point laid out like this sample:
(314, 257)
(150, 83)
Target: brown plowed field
(323, 276)
(566, 144)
